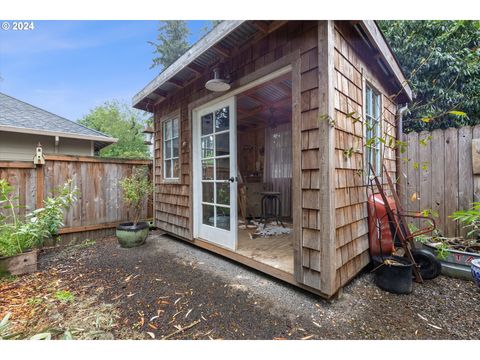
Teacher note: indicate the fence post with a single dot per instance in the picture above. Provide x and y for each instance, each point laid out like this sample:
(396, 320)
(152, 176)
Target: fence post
(39, 161)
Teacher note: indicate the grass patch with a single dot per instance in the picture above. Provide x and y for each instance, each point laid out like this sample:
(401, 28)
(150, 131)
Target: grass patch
(64, 296)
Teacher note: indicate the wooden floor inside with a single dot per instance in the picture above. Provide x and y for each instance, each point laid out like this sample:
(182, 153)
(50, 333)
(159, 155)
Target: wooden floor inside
(273, 250)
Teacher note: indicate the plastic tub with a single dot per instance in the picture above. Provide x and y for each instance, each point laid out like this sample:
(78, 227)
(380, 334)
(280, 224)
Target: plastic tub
(394, 275)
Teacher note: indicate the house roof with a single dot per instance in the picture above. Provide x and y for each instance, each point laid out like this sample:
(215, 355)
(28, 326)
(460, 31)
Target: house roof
(233, 34)
(21, 117)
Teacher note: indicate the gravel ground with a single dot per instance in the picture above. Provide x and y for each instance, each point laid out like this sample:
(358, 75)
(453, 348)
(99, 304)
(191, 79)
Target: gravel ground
(168, 288)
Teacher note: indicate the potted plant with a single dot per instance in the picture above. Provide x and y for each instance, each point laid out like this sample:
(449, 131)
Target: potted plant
(456, 254)
(21, 237)
(136, 189)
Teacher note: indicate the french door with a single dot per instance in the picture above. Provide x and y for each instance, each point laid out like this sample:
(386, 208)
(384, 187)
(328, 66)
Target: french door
(214, 173)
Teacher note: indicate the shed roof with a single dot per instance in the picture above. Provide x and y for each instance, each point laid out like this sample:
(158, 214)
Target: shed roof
(233, 34)
(19, 116)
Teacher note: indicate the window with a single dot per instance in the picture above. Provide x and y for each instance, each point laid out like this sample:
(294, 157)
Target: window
(373, 133)
(171, 163)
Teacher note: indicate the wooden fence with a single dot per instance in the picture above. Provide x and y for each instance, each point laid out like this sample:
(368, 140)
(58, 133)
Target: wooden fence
(439, 175)
(99, 207)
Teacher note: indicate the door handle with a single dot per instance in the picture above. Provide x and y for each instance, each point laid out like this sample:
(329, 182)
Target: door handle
(232, 179)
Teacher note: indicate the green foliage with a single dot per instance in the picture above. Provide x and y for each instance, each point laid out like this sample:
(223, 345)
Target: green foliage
(423, 239)
(442, 251)
(172, 42)
(64, 296)
(18, 235)
(470, 219)
(441, 247)
(441, 59)
(136, 189)
(122, 122)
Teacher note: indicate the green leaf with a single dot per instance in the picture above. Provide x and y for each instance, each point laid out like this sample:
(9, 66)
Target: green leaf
(458, 113)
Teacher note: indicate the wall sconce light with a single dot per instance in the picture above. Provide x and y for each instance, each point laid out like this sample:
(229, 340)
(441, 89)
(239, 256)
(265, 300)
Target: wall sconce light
(148, 135)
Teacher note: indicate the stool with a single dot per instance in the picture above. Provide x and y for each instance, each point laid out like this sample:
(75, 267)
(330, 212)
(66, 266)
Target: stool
(271, 199)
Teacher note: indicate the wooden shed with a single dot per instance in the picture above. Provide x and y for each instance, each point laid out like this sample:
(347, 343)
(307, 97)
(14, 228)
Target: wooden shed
(300, 100)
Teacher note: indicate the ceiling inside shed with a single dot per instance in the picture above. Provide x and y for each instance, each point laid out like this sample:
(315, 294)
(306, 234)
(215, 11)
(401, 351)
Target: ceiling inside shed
(265, 105)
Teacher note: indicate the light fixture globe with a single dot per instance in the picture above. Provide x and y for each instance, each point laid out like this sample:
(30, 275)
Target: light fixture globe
(217, 84)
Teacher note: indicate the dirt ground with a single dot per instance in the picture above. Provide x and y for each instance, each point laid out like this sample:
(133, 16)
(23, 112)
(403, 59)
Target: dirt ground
(170, 289)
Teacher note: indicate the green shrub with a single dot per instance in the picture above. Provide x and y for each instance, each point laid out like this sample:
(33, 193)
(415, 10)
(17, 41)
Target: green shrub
(470, 219)
(18, 235)
(136, 189)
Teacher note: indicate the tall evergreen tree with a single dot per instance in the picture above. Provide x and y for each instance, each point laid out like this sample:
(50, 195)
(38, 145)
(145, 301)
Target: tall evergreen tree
(172, 42)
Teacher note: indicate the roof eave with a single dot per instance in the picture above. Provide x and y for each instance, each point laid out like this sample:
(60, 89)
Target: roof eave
(213, 37)
(226, 27)
(22, 130)
(378, 40)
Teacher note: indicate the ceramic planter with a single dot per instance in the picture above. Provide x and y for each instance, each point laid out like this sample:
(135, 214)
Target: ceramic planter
(24, 263)
(475, 269)
(130, 236)
(457, 263)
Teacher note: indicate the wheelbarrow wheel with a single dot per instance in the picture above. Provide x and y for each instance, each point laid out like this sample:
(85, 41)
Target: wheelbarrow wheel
(429, 265)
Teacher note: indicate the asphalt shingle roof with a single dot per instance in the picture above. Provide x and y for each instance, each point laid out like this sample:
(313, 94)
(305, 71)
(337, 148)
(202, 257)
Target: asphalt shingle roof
(16, 113)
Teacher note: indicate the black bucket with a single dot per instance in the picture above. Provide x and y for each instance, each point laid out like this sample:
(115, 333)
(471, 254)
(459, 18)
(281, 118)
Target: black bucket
(395, 277)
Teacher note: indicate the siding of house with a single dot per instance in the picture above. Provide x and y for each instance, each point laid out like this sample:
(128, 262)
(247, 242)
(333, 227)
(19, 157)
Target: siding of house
(173, 209)
(21, 147)
(351, 71)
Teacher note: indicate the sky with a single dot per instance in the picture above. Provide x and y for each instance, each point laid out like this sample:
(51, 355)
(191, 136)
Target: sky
(69, 67)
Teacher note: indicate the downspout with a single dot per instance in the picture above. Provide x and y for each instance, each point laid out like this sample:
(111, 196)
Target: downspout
(154, 197)
(398, 160)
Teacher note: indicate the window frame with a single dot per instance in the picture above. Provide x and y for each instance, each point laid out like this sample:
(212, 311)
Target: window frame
(163, 123)
(376, 131)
